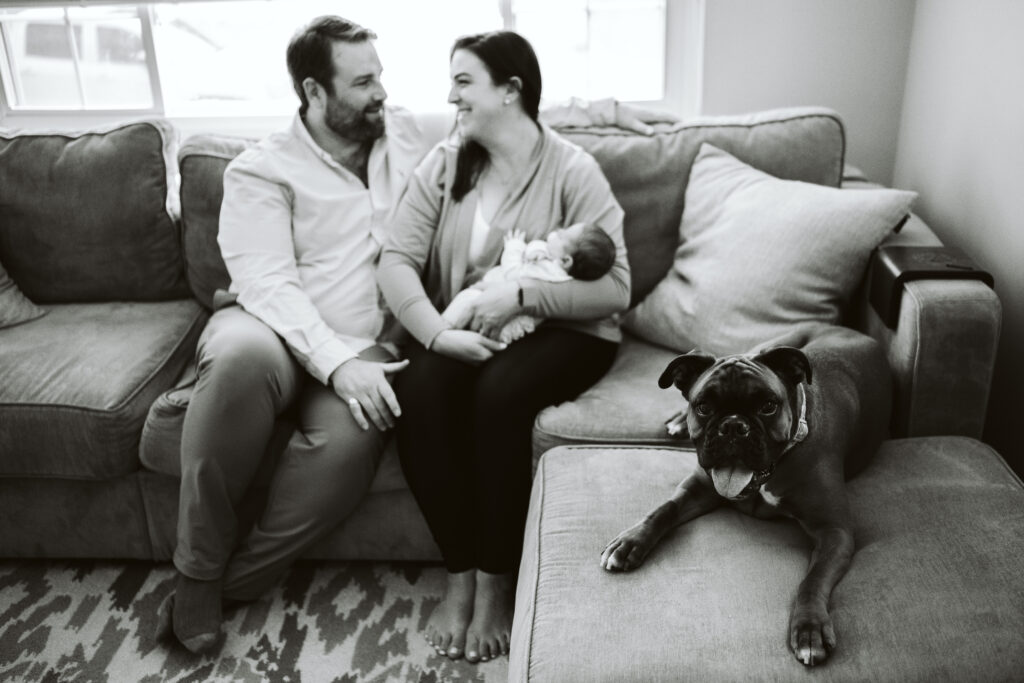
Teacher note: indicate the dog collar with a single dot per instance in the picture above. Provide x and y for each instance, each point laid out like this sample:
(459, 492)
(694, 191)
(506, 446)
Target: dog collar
(762, 477)
(801, 426)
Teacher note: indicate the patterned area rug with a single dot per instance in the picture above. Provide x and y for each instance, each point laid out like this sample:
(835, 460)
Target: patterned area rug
(333, 622)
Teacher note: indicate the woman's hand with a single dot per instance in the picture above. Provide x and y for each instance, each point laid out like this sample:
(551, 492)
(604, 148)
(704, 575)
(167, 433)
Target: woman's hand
(496, 305)
(466, 345)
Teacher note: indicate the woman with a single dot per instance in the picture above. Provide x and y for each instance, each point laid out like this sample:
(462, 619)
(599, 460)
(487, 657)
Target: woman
(469, 402)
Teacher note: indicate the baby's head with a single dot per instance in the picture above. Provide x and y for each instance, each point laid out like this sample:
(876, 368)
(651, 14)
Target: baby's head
(584, 250)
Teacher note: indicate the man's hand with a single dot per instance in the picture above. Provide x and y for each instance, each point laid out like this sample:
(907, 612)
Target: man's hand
(495, 306)
(638, 119)
(363, 385)
(578, 113)
(466, 345)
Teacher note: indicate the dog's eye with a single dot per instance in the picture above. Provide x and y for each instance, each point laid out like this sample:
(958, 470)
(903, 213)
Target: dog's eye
(769, 408)
(703, 409)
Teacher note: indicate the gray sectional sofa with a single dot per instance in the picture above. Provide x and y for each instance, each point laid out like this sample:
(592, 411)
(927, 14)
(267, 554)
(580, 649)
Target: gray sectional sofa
(113, 233)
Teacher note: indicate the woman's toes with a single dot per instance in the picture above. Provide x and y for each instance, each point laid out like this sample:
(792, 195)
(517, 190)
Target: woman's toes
(473, 650)
(458, 645)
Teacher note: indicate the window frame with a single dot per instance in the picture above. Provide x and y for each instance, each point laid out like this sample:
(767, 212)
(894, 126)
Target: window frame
(145, 17)
(682, 87)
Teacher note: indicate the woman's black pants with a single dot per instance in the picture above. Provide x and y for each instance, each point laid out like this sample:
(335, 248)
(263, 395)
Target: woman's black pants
(464, 438)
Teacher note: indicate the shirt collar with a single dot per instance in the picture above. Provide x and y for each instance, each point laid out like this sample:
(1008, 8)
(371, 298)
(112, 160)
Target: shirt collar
(300, 131)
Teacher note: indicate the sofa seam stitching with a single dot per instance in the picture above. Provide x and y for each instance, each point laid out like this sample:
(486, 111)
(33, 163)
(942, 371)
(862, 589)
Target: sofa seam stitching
(625, 447)
(599, 439)
(536, 580)
(918, 352)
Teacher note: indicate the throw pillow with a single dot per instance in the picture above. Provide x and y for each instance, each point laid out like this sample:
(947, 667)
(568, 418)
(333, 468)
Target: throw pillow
(758, 254)
(15, 308)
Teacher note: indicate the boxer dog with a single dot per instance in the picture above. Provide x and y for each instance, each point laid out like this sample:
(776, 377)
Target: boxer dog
(776, 432)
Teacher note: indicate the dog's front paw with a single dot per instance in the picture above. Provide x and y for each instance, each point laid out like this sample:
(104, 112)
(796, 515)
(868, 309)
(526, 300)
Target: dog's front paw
(676, 426)
(627, 550)
(811, 636)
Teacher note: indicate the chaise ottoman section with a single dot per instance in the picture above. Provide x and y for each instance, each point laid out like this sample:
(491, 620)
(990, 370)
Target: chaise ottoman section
(934, 592)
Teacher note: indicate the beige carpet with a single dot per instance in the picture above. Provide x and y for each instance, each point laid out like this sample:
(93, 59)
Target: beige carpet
(333, 622)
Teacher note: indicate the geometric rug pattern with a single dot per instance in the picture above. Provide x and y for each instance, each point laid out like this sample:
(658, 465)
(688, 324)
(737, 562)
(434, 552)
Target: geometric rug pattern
(330, 622)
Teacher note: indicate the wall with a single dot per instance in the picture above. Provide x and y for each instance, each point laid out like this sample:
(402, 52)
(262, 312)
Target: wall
(961, 146)
(850, 56)
(932, 94)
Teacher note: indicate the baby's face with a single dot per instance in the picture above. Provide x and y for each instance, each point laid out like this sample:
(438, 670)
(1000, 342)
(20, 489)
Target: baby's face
(563, 241)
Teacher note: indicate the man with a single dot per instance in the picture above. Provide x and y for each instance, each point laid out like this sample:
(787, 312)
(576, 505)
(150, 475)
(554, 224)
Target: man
(300, 228)
(301, 225)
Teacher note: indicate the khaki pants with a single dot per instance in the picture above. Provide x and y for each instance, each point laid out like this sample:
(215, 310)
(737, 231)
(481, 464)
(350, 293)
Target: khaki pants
(246, 378)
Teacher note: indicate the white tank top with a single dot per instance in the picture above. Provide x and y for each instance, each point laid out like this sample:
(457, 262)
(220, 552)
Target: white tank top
(481, 228)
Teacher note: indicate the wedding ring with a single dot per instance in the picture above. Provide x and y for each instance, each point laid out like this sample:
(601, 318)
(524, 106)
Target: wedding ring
(353, 404)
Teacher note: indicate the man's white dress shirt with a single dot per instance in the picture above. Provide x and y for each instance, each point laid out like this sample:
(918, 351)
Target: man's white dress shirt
(300, 235)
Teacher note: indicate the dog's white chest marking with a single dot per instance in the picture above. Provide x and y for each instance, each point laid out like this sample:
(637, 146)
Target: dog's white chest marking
(769, 498)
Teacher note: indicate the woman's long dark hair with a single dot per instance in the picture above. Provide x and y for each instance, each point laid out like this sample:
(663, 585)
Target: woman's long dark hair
(506, 55)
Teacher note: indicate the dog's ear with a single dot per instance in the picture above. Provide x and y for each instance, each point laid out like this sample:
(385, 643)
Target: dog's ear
(683, 371)
(788, 363)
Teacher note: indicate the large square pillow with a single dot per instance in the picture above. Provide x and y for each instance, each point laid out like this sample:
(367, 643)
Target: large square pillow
(758, 255)
(15, 308)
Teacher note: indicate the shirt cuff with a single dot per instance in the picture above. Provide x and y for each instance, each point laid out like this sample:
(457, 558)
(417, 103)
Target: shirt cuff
(328, 358)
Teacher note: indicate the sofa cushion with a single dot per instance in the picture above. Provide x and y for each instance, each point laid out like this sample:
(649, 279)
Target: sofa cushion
(935, 591)
(202, 160)
(623, 407)
(91, 216)
(15, 308)
(649, 174)
(758, 255)
(75, 385)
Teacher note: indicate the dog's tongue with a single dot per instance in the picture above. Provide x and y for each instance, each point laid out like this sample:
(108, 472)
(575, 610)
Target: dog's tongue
(730, 481)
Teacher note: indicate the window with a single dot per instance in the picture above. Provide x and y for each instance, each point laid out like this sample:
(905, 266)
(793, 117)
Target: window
(226, 58)
(596, 48)
(75, 58)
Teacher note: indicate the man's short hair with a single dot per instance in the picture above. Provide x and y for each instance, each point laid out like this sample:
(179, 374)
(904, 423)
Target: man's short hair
(310, 50)
(594, 255)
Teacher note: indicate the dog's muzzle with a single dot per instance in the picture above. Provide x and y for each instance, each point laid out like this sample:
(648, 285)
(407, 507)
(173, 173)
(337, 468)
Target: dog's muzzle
(734, 426)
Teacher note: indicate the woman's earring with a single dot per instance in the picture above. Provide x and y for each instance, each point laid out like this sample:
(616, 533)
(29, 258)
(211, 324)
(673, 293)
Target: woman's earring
(508, 100)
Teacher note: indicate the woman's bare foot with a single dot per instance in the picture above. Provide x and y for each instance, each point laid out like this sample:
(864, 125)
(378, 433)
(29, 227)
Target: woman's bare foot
(490, 629)
(446, 628)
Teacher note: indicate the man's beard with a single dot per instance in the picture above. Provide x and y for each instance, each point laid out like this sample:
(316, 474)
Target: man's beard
(351, 123)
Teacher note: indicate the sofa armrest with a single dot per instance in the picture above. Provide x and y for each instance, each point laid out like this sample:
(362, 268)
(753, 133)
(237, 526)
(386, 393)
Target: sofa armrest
(942, 350)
